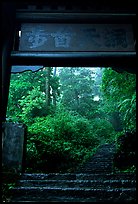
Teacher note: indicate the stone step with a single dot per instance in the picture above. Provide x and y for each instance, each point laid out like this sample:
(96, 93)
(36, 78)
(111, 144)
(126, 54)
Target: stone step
(95, 170)
(97, 157)
(94, 163)
(101, 162)
(97, 165)
(40, 194)
(95, 182)
(101, 165)
(51, 176)
(80, 176)
(78, 183)
(100, 157)
(106, 151)
(106, 176)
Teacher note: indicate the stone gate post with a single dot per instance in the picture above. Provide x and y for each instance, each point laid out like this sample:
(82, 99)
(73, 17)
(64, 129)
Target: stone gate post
(13, 146)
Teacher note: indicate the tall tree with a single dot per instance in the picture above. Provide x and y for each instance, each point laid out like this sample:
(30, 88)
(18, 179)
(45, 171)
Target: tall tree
(47, 91)
(30, 94)
(77, 90)
(54, 88)
(120, 94)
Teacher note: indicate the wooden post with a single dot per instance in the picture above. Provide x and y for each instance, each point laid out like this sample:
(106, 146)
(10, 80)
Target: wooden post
(8, 27)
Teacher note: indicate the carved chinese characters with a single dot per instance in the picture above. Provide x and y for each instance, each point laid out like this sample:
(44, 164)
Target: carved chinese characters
(36, 38)
(76, 37)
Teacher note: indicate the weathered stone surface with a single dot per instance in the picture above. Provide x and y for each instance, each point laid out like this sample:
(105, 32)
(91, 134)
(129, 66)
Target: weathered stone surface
(100, 186)
(78, 176)
(78, 183)
(58, 193)
(13, 145)
(101, 162)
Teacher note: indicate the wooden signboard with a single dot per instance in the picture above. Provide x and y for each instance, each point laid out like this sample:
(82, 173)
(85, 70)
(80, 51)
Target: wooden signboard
(76, 37)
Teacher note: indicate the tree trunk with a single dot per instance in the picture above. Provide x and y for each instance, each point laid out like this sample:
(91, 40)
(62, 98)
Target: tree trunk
(76, 97)
(48, 89)
(54, 91)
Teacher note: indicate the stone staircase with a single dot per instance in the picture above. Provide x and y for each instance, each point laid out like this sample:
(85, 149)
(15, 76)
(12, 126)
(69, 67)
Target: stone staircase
(101, 162)
(94, 182)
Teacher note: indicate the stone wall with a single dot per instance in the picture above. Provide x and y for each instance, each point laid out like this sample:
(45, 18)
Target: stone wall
(13, 145)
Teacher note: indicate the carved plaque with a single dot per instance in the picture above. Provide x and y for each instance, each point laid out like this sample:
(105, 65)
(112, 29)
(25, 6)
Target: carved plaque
(76, 37)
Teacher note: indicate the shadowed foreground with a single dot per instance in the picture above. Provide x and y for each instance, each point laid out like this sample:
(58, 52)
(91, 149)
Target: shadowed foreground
(93, 182)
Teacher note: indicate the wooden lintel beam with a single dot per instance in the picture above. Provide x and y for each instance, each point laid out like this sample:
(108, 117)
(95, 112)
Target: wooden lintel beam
(97, 59)
(75, 17)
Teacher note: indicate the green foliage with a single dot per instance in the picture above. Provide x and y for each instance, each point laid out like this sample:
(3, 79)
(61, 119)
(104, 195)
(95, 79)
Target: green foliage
(119, 94)
(60, 142)
(103, 129)
(5, 191)
(28, 95)
(9, 180)
(65, 124)
(63, 141)
(32, 105)
(128, 108)
(77, 90)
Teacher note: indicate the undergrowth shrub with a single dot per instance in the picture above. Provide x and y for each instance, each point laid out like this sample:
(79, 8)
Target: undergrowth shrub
(103, 130)
(63, 141)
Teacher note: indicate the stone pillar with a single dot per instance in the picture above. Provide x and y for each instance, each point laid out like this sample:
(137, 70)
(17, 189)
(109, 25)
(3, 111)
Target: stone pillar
(13, 146)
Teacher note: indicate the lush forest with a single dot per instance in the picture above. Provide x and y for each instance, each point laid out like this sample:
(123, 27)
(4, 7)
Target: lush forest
(69, 112)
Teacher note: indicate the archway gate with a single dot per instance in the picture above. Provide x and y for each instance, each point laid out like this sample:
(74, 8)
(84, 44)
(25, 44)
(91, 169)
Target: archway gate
(66, 34)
